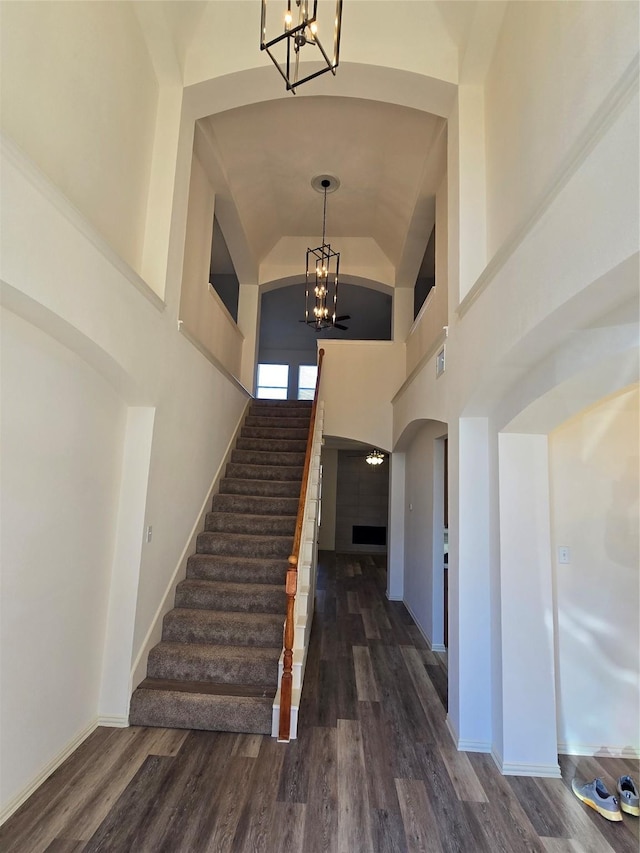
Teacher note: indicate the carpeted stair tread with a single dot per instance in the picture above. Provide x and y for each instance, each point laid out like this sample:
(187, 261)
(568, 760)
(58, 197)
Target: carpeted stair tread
(229, 665)
(255, 525)
(276, 423)
(233, 597)
(242, 544)
(216, 667)
(218, 567)
(267, 457)
(240, 471)
(255, 504)
(288, 434)
(262, 488)
(294, 412)
(186, 625)
(281, 404)
(182, 709)
(273, 444)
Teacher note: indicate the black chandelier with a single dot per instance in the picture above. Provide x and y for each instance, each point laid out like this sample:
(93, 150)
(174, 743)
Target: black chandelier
(295, 27)
(323, 269)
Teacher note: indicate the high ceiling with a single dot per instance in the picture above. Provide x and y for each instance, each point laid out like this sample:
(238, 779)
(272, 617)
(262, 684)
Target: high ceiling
(379, 152)
(390, 159)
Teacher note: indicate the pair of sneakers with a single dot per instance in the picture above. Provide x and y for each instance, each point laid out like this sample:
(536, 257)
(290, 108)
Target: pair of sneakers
(595, 795)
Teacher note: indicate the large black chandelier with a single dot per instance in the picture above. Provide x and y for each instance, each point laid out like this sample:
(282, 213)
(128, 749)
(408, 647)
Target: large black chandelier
(299, 26)
(323, 270)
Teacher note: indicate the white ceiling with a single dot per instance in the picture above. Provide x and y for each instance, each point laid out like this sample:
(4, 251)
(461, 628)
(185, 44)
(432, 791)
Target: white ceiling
(270, 152)
(389, 159)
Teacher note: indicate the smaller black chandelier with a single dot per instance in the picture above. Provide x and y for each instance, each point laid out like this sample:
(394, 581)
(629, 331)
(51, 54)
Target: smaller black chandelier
(374, 457)
(295, 27)
(323, 268)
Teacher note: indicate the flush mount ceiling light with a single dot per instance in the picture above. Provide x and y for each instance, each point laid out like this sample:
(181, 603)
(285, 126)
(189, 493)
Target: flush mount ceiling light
(296, 24)
(375, 457)
(323, 267)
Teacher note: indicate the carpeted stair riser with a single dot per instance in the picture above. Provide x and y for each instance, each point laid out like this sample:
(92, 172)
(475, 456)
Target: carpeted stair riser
(237, 471)
(220, 664)
(177, 710)
(265, 432)
(183, 625)
(269, 458)
(292, 412)
(255, 505)
(273, 445)
(266, 488)
(255, 525)
(216, 667)
(236, 544)
(236, 569)
(276, 423)
(231, 596)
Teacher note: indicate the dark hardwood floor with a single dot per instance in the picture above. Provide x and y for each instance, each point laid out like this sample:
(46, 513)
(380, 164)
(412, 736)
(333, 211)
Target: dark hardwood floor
(374, 769)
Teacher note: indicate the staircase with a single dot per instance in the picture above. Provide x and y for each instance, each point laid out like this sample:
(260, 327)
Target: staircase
(217, 665)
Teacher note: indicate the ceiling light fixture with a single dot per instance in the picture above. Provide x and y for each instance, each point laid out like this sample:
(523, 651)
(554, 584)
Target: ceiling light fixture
(295, 27)
(374, 457)
(323, 268)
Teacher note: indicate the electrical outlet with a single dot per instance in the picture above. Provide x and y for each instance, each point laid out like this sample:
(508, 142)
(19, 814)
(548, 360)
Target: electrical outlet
(149, 533)
(564, 554)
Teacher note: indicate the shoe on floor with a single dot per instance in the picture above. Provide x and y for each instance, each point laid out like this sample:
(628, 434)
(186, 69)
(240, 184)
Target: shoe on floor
(628, 796)
(595, 795)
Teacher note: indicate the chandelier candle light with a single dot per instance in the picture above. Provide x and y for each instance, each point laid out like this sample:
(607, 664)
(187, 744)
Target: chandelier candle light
(298, 26)
(323, 267)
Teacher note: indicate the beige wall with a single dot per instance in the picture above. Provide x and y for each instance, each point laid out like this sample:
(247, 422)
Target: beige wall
(595, 510)
(553, 66)
(79, 97)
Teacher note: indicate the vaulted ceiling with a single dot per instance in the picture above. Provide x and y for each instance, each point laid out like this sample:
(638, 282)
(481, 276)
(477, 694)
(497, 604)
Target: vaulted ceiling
(389, 159)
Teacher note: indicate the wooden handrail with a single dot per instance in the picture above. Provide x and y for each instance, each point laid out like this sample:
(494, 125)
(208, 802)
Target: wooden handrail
(286, 682)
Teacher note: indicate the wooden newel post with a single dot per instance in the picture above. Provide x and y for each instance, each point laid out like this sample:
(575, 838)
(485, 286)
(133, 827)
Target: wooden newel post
(286, 684)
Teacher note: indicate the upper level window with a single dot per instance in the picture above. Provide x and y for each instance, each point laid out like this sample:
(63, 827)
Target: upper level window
(273, 380)
(307, 374)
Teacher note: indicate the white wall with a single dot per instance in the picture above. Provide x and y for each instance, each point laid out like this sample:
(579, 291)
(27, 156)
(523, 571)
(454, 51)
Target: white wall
(424, 543)
(327, 533)
(79, 96)
(595, 510)
(553, 65)
(359, 378)
(62, 435)
(59, 274)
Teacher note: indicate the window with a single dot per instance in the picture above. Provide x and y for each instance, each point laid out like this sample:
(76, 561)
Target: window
(307, 374)
(273, 380)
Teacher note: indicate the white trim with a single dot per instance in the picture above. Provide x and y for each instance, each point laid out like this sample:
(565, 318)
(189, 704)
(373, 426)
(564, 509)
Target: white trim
(610, 108)
(211, 357)
(180, 572)
(598, 751)
(433, 647)
(114, 722)
(432, 351)
(27, 168)
(543, 771)
(46, 771)
(466, 745)
(394, 597)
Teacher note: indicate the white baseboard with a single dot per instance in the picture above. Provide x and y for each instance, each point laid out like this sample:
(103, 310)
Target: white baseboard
(15, 803)
(544, 771)
(433, 647)
(598, 751)
(466, 745)
(114, 722)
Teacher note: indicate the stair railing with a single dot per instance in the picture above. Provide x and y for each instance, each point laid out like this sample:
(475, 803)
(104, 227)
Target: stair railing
(286, 681)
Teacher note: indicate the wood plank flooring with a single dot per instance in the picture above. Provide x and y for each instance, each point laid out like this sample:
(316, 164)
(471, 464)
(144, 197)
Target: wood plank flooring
(374, 769)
